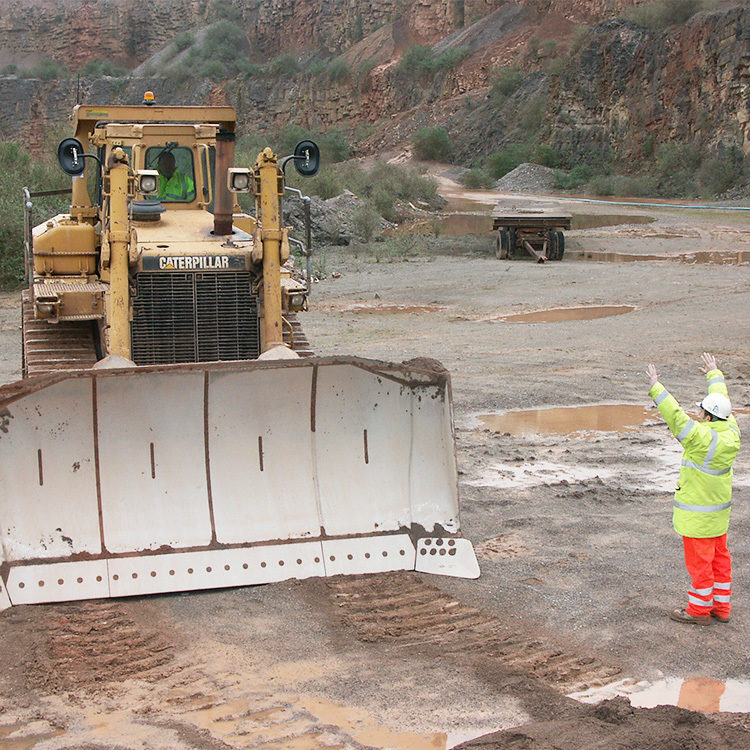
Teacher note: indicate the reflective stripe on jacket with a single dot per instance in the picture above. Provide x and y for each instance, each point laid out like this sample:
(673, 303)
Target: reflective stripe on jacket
(702, 502)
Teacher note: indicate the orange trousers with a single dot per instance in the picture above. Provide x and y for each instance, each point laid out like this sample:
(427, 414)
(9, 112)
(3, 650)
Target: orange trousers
(710, 567)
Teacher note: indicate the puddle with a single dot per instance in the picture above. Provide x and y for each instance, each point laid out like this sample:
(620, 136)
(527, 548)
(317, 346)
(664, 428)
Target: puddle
(451, 225)
(375, 309)
(25, 735)
(570, 419)
(563, 314)
(592, 221)
(695, 693)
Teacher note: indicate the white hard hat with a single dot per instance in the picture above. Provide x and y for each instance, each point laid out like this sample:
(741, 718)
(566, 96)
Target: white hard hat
(717, 404)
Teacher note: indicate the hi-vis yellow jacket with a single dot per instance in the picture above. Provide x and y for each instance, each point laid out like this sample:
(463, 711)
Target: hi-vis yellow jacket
(703, 499)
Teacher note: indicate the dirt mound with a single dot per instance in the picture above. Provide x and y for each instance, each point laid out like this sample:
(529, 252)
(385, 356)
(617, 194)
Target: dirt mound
(527, 178)
(616, 724)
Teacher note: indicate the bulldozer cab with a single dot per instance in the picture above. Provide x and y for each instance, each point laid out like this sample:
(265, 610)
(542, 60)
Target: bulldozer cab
(183, 156)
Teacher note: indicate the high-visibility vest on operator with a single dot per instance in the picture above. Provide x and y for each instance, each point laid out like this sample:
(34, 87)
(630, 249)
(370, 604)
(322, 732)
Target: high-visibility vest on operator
(703, 499)
(179, 187)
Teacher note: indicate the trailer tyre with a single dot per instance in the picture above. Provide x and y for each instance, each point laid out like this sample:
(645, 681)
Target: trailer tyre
(511, 239)
(556, 245)
(502, 243)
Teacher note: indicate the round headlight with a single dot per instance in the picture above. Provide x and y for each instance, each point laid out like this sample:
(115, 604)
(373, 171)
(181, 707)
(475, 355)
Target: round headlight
(148, 184)
(297, 300)
(240, 181)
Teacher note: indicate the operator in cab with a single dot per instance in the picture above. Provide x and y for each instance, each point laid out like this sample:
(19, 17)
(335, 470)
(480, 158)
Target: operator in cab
(173, 184)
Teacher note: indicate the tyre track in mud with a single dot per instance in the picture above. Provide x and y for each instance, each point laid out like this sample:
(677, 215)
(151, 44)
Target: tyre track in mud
(405, 611)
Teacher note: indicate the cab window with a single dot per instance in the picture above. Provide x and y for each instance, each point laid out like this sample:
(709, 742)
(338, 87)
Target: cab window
(176, 172)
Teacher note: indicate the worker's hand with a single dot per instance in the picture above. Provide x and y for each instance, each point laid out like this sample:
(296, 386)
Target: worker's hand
(653, 376)
(709, 362)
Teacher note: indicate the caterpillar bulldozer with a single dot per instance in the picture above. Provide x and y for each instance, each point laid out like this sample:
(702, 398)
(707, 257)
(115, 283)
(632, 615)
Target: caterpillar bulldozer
(172, 430)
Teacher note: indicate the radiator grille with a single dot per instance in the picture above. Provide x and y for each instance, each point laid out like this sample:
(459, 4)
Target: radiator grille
(194, 317)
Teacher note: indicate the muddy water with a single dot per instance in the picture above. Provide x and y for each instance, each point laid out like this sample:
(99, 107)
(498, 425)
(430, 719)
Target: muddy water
(375, 309)
(570, 419)
(563, 314)
(592, 221)
(25, 735)
(718, 257)
(694, 693)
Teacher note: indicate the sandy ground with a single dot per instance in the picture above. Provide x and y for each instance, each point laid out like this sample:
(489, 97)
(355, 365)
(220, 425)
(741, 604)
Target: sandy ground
(580, 565)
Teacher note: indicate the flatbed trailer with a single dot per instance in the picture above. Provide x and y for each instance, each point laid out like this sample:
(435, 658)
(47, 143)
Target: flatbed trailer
(535, 232)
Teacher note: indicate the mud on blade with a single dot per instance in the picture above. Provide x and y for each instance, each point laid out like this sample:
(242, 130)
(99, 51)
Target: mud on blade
(151, 479)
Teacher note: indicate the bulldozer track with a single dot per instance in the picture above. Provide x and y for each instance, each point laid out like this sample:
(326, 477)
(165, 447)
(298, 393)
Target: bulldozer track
(85, 644)
(47, 347)
(400, 608)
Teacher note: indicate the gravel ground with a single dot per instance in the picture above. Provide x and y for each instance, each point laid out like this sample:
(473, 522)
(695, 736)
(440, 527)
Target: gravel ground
(573, 532)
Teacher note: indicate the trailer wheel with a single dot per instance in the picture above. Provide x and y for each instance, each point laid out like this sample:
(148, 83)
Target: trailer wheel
(556, 244)
(511, 243)
(502, 244)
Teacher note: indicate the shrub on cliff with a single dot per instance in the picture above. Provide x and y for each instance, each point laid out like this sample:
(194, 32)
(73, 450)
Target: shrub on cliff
(505, 81)
(284, 66)
(421, 60)
(339, 71)
(660, 14)
(99, 68)
(222, 53)
(432, 144)
(46, 70)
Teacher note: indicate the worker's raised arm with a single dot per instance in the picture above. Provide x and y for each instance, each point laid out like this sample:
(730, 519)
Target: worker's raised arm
(679, 423)
(714, 375)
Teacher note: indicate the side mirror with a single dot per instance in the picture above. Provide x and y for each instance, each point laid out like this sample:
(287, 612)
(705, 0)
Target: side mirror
(71, 157)
(307, 158)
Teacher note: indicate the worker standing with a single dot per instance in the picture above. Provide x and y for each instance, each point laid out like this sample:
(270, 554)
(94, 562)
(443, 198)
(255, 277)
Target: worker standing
(703, 499)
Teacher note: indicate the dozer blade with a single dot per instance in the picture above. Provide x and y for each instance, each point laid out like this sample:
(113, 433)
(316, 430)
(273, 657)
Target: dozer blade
(142, 480)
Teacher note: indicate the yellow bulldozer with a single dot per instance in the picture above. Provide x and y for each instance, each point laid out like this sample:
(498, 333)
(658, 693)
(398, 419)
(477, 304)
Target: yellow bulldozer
(172, 430)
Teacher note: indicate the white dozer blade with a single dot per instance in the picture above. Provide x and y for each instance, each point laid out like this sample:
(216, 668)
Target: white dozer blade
(141, 480)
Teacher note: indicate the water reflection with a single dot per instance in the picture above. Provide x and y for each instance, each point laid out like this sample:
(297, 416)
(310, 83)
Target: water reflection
(568, 419)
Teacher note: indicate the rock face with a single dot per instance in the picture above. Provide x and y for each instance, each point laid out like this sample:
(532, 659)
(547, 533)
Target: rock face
(624, 89)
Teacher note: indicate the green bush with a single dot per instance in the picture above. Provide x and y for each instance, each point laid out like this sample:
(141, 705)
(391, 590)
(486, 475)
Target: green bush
(532, 113)
(98, 68)
(317, 67)
(432, 144)
(476, 179)
(421, 60)
(505, 81)
(660, 14)
(9, 70)
(284, 66)
(325, 184)
(721, 171)
(338, 71)
(334, 146)
(47, 70)
(502, 162)
(18, 170)
(221, 53)
(183, 40)
(675, 169)
(573, 179)
(365, 222)
(545, 155)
